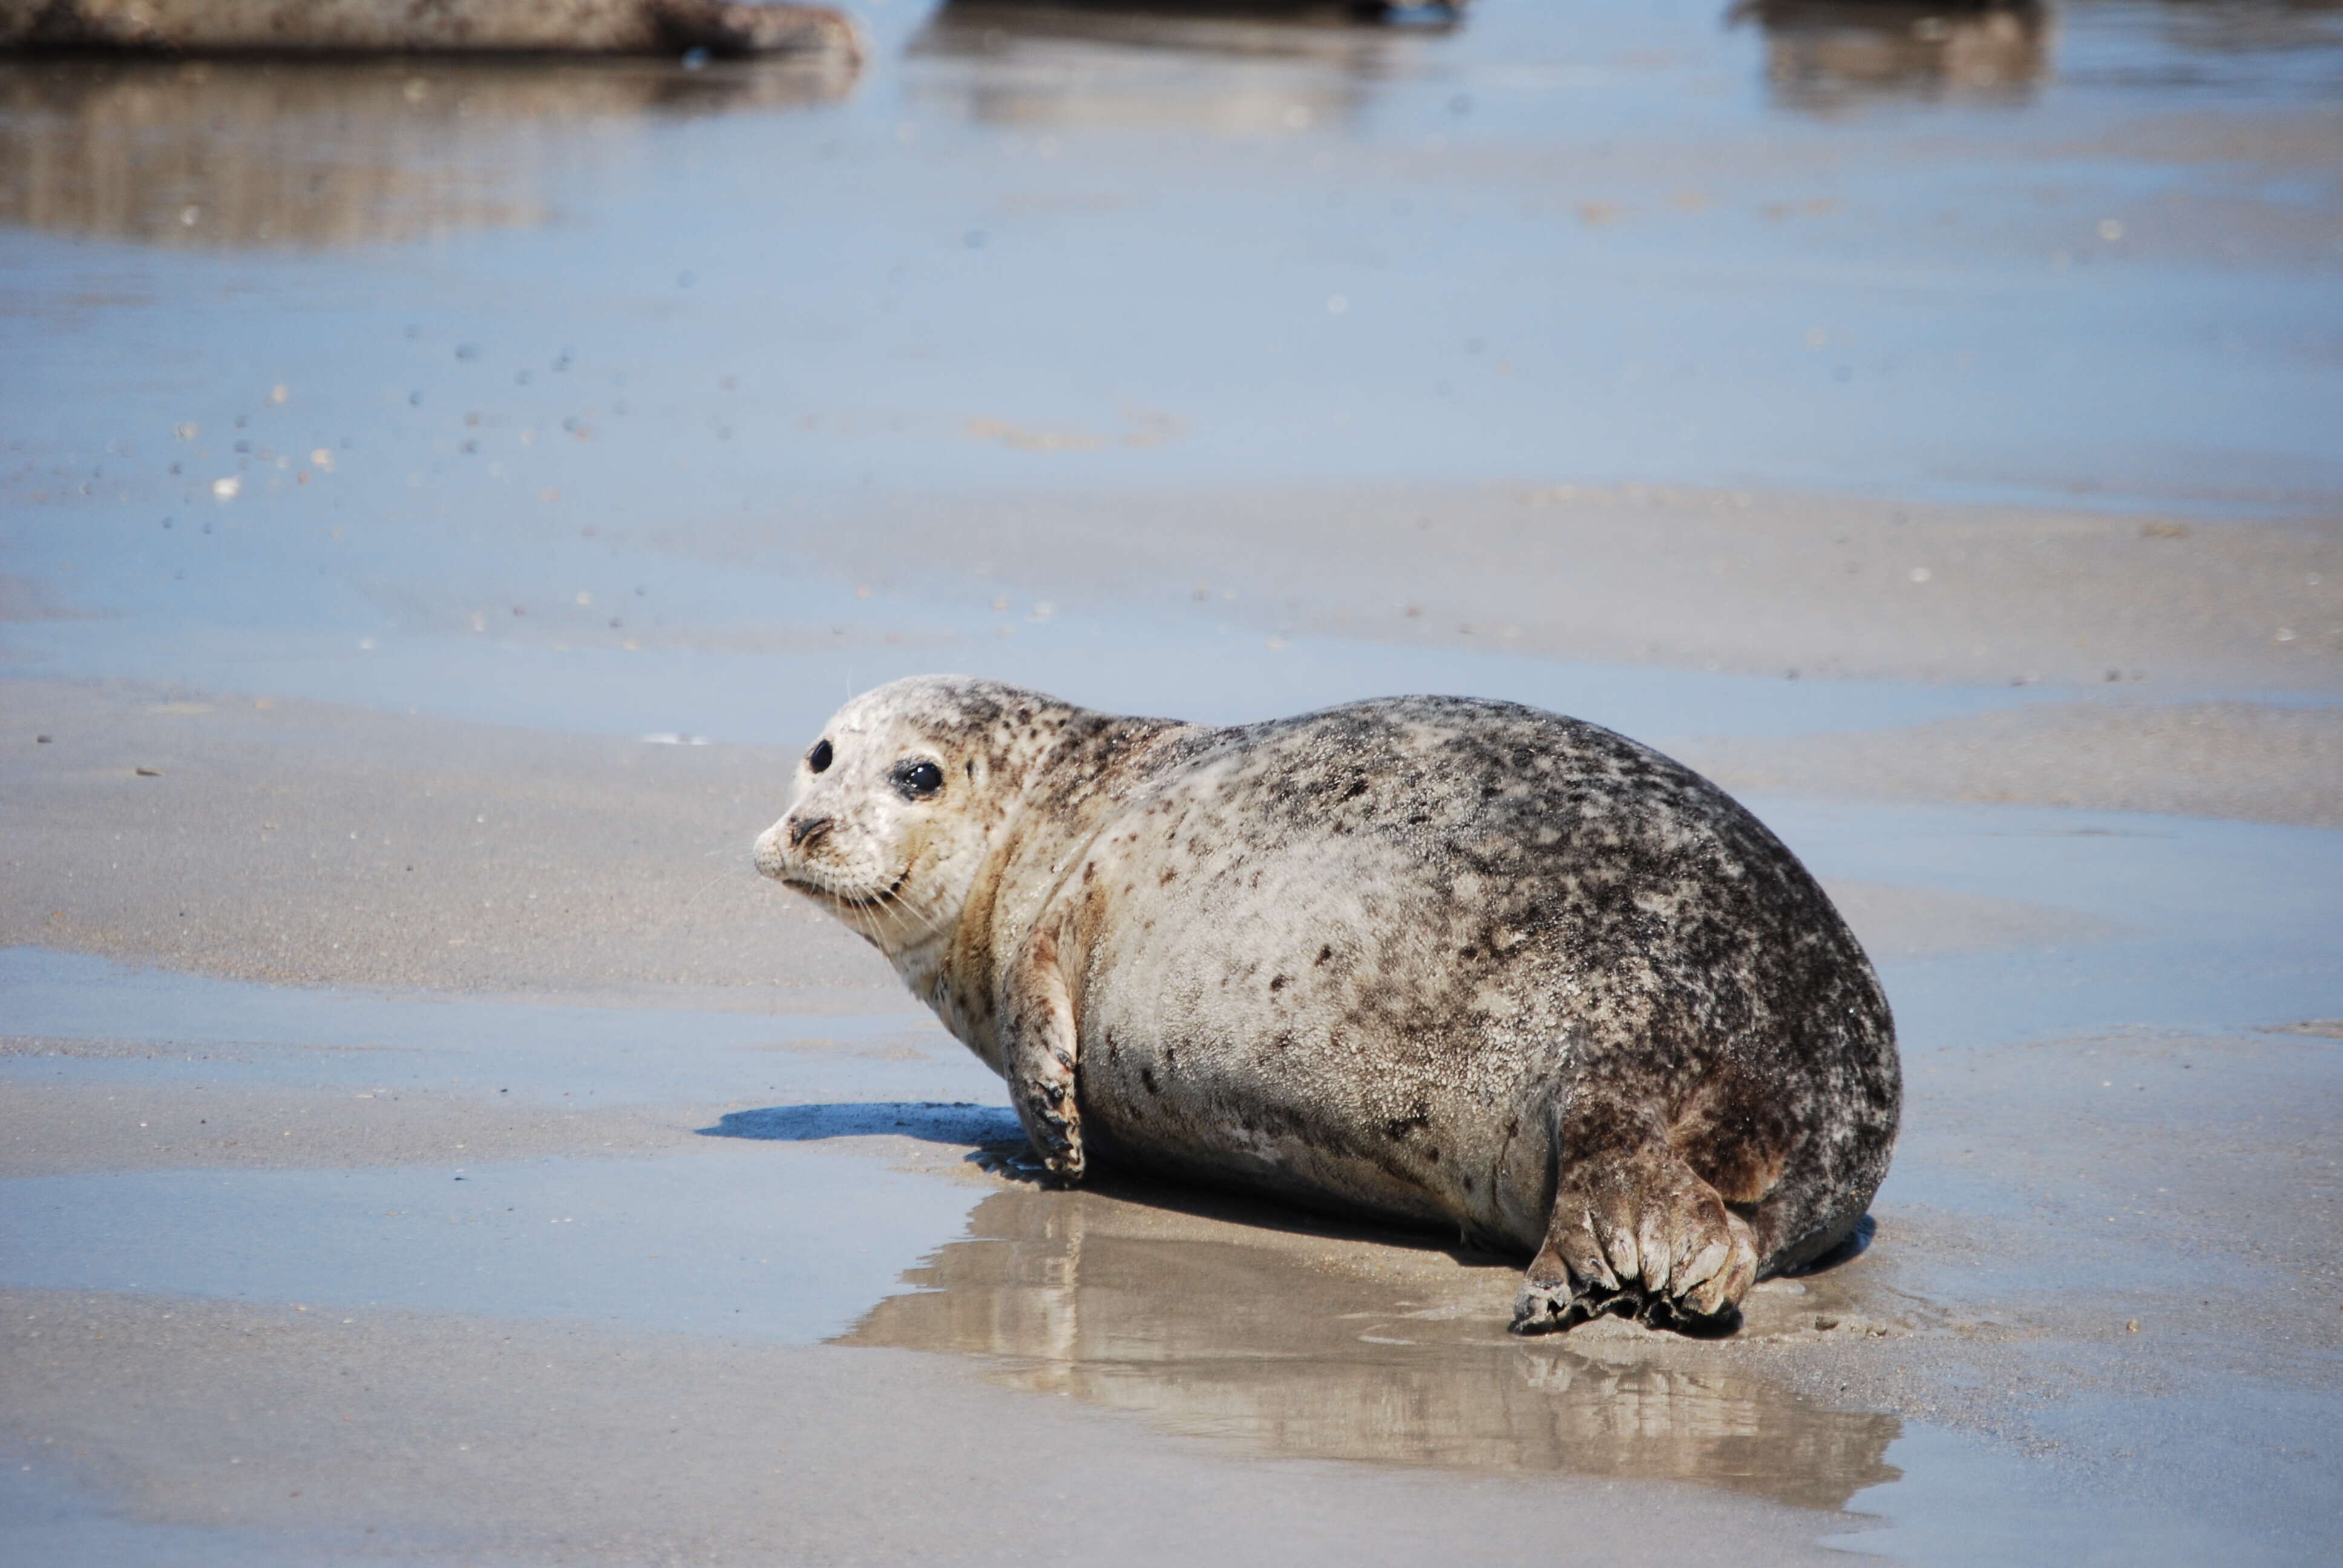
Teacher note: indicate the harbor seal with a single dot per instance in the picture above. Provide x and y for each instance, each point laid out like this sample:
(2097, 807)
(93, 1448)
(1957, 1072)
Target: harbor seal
(1439, 960)
(447, 26)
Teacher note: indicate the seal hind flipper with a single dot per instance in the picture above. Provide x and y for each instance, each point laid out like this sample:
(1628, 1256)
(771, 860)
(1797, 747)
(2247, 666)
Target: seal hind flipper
(1633, 1229)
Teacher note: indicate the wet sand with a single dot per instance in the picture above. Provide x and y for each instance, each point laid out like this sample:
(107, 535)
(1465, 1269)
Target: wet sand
(511, 1442)
(421, 1136)
(342, 847)
(1787, 586)
(2261, 764)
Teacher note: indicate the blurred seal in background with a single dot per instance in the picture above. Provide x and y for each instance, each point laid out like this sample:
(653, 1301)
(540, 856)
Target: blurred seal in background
(455, 26)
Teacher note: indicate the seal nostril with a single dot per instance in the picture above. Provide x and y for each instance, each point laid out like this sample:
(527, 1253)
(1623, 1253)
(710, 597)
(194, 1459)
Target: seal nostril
(804, 828)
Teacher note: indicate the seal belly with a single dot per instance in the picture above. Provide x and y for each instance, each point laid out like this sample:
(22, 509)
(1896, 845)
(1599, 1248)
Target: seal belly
(1259, 1159)
(1273, 1024)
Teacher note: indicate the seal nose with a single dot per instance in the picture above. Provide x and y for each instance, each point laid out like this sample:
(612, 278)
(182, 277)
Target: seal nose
(802, 828)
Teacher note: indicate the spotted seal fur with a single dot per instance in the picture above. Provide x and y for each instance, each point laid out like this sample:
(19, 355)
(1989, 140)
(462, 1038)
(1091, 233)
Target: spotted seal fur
(1436, 959)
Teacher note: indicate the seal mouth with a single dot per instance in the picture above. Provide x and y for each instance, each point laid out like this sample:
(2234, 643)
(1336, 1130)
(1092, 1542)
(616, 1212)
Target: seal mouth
(828, 894)
(873, 901)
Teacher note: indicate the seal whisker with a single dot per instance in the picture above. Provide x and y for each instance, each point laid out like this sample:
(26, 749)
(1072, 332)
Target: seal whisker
(908, 925)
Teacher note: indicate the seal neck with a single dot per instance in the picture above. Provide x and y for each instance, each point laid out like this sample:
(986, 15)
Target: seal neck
(1096, 765)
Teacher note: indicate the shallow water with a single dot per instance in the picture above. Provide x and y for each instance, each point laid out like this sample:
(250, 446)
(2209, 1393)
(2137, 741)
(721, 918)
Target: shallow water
(596, 398)
(1223, 1319)
(1039, 248)
(684, 1244)
(540, 392)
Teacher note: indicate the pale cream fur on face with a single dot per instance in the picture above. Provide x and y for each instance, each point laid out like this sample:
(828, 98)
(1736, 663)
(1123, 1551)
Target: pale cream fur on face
(895, 869)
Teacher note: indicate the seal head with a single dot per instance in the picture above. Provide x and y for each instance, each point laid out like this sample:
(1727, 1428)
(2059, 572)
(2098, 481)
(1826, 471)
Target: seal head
(886, 827)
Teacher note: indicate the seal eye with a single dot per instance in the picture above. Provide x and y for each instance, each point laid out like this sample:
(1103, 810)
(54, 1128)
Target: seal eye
(917, 780)
(818, 757)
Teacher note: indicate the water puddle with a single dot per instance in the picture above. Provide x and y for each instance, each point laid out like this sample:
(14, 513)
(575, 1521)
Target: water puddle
(789, 1244)
(1218, 1317)
(768, 1230)
(233, 1032)
(1283, 1333)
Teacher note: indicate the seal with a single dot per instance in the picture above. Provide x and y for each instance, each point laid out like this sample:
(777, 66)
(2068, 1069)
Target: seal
(453, 26)
(1432, 959)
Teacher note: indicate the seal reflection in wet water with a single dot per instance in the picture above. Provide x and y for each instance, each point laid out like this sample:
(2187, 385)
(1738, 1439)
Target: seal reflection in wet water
(1435, 959)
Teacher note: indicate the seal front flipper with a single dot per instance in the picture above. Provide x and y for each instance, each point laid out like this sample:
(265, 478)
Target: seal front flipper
(1633, 1229)
(1037, 1056)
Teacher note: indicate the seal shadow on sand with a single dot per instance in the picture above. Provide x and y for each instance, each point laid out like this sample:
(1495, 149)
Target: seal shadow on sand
(959, 1121)
(1225, 1315)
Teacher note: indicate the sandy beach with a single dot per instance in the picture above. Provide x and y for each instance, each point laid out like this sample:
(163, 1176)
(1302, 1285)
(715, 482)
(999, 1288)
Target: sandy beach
(439, 501)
